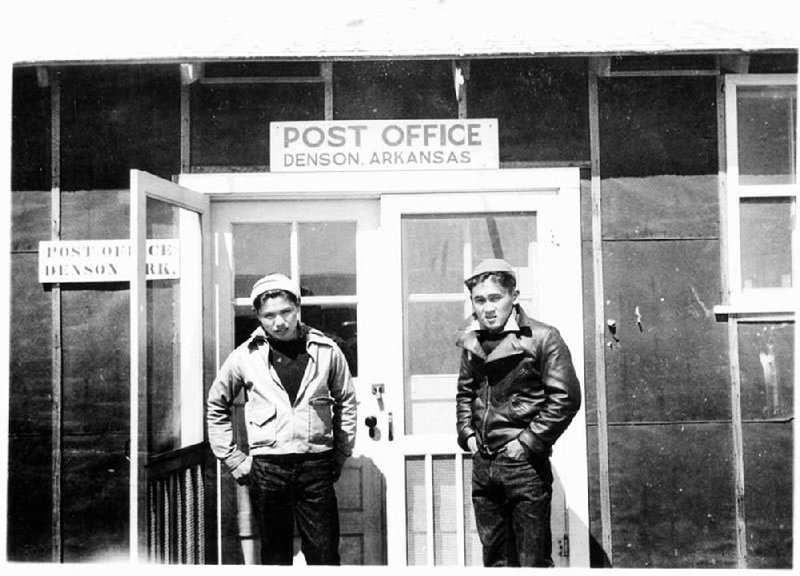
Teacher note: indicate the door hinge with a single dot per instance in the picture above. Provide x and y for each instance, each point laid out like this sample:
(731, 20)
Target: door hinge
(563, 546)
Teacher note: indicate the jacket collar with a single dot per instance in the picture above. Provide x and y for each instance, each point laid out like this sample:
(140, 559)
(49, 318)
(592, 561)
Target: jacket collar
(518, 324)
(313, 336)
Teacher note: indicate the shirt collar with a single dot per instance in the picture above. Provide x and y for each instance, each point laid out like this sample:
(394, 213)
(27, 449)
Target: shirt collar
(511, 325)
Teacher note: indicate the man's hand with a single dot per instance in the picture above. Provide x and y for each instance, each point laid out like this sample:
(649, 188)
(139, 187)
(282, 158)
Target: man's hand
(242, 471)
(339, 459)
(516, 450)
(472, 444)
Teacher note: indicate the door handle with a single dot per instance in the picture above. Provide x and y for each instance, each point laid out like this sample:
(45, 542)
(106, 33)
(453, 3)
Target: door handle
(371, 422)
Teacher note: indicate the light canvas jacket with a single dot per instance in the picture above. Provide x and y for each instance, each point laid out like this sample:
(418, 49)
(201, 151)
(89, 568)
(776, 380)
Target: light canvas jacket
(323, 416)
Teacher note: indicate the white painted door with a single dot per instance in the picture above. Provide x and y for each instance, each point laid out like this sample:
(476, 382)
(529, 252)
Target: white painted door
(166, 397)
(328, 246)
(530, 218)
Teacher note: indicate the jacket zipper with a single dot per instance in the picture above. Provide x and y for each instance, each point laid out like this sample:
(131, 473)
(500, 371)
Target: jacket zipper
(486, 412)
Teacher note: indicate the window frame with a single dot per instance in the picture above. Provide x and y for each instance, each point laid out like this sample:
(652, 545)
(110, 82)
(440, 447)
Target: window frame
(755, 301)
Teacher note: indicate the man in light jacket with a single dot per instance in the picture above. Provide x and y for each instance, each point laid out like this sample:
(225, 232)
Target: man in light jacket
(300, 412)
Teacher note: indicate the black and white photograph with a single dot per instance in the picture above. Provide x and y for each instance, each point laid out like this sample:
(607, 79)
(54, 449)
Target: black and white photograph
(430, 284)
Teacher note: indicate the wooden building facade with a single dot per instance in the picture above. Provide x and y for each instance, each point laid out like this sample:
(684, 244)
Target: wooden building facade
(648, 199)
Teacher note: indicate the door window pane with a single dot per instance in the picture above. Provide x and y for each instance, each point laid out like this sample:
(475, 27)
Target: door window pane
(431, 487)
(434, 328)
(766, 364)
(766, 242)
(324, 256)
(444, 511)
(767, 134)
(473, 551)
(433, 254)
(259, 249)
(327, 252)
(339, 323)
(438, 251)
(163, 341)
(416, 512)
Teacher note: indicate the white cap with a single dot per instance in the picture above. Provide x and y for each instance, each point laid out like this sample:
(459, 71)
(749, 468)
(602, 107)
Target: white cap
(274, 282)
(491, 265)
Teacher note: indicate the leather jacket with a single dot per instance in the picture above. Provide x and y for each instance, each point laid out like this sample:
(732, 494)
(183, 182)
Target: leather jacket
(322, 418)
(526, 388)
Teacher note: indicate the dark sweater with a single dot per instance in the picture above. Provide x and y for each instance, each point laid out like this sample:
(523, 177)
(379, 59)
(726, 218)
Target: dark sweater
(289, 358)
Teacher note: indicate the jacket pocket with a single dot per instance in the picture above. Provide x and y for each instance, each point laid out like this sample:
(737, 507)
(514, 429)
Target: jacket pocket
(521, 410)
(320, 420)
(262, 425)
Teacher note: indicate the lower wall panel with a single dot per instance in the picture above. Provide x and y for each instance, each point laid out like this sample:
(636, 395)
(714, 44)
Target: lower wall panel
(672, 496)
(30, 502)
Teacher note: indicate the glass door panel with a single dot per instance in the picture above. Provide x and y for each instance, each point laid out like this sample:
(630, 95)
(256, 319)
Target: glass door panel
(438, 251)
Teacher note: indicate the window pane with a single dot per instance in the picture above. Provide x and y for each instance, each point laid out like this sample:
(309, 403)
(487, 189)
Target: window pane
(163, 341)
(433, 255)
(327, 258)
(766, 233)
(508, 236)
(766, 368)
(766, 117)
(432, 409)
(416, 512)
(258, 249)
(338, 322)
(433, 329)
(434, 247)
(437, 251)
(444, 511)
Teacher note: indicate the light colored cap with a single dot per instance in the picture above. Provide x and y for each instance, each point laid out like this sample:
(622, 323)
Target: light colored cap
(491, 265)
(274, 282)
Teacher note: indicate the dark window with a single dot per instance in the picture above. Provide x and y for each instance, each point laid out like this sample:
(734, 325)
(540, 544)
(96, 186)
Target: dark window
(399, 90)
(542, 106)
(657, 126)
(115, 118)
(230, 123)
(30, 132)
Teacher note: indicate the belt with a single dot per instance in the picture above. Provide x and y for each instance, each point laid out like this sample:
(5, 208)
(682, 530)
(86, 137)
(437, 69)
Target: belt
(294, 457)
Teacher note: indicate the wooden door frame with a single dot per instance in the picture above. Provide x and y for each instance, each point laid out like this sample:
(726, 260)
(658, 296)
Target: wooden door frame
(561, 184)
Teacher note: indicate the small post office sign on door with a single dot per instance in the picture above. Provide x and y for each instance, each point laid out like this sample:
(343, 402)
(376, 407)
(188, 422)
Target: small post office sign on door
(105, 260)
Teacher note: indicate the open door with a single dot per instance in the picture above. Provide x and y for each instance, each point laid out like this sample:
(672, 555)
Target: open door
(167, 455)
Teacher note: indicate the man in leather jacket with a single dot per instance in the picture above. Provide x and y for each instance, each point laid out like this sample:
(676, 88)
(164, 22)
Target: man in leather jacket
(517, 393)
(300, 413)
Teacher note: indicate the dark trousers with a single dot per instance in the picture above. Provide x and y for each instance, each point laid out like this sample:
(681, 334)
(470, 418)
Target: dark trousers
(512, 509)
(289, 489)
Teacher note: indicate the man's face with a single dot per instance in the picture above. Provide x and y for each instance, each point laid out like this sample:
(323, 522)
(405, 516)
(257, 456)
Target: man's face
(492, 304)
(278, 316)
